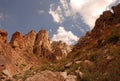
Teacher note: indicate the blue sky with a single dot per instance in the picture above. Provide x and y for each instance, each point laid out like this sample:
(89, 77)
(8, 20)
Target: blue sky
(65, 20)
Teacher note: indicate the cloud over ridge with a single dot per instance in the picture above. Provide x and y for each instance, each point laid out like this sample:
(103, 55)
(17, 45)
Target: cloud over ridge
(65, 36)
(89, 10)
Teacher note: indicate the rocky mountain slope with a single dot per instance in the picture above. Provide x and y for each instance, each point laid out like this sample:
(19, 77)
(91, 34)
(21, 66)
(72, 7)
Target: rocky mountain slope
(61, 49)
(95, 57)
(25, 51)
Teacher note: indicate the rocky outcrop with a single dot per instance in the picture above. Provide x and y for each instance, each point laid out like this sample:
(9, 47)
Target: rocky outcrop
(17, 40)
(116, 10)
(21, 42)
(29, 39)
(18, 54)
(25, 51)
(42, 47)
(61, 49)
(102, 30)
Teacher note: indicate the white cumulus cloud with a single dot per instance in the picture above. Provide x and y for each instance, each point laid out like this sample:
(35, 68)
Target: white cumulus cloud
(89, 10)
(60, 11)
(56, 14)
(65, 36)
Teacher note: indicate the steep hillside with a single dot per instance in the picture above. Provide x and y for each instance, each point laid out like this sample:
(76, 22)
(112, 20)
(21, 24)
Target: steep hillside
(99, 50)
(96, 55)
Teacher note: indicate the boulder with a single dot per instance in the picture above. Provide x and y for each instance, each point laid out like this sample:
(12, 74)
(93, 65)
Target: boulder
(46, 76)
(68, 65)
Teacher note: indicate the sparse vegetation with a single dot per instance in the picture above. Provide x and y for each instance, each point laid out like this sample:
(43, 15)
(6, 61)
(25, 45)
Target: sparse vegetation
(113, 39)
(22, 66)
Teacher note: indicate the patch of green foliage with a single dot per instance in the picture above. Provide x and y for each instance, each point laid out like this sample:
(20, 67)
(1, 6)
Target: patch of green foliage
(113, 39)
(17, 77)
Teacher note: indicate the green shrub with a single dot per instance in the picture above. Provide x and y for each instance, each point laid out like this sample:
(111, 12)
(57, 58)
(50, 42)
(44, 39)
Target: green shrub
(113, 38)
(17, 77)
(73, 68)
(93, 57)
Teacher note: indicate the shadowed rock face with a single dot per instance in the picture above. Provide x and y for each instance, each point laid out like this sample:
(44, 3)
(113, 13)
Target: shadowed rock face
(116, 10)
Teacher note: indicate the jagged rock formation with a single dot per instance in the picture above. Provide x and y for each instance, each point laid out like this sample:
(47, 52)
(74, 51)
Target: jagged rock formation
(25, 51)
(61, 49)
(17, 54)
(42, 47)
(19, 41)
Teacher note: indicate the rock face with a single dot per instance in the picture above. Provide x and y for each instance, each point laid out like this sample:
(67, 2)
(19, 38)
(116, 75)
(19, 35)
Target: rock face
(3, 36)
(61, 49)
(3, 42)
(25, 51)
(42, 47)
(19, 41)
(29, 40)
(19, 52)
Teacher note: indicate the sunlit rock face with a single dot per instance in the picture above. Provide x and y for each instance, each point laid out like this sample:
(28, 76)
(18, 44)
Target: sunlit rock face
(23, 41)
(61, 49)
(3, 36)
(42, 46)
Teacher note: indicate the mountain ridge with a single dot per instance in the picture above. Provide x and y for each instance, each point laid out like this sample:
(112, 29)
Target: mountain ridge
(94, 58)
